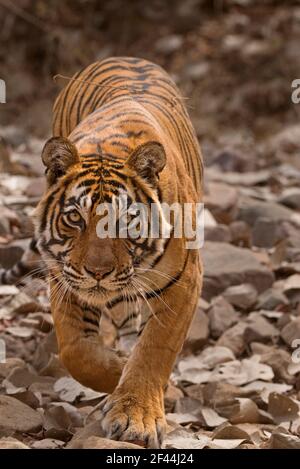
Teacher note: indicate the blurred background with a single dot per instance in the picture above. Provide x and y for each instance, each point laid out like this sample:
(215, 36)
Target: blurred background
(233, 59)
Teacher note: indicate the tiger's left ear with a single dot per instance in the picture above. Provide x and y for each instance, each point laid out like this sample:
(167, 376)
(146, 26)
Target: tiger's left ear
(148, 160)
(58, 155)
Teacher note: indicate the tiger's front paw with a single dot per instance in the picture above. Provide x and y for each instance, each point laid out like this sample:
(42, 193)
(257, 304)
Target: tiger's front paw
(133, 417)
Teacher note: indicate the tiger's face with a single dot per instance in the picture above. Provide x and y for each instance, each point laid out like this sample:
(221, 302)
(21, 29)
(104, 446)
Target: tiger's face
(67, 218)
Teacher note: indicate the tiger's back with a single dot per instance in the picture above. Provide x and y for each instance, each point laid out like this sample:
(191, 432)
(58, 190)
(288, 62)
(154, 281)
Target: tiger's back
(131, 95)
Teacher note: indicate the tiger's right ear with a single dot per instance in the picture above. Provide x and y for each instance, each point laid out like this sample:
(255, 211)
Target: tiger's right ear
(58, 155)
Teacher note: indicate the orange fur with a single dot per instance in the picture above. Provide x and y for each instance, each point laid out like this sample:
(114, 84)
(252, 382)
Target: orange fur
(132, 129)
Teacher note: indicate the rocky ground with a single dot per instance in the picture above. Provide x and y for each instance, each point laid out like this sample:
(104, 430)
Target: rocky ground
(237, 381)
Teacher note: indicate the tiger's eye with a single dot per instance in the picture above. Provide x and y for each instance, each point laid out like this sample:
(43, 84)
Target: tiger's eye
(73, 217)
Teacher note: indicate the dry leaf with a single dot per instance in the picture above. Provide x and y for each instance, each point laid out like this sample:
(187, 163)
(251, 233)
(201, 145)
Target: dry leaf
(211, 418)
(242, 372)
(225, 444)
(247, 412)
(230, 432)
(18, 331)
(282, 408)
(70, 390)
(266, 388)
(176, 440)
(283, 441)
(182, 419)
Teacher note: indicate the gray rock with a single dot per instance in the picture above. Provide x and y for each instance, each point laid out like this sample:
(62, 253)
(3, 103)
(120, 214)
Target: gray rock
(209, 220)
(258, 48)
(169, 44)
(291, 287)
(12, 443)
(291, 198)
(285, 146)
(37, 187)
(291, 332)
(283, 441)
(271, 299)
(46, 348)
(291, 234)
(240, 233)
(94, 442)
(15, 136)
(4, 226)
(279, 360)
(248, 179)
(226, 265)
(32, 163)
(251, 209)
(9, 365)
(219, 393)
(42, 321)
(196, 71)
(19, 304)
(92, 437)
(233, 338)
(18, 417)
(198, 332)
(284, 320)
(219, 233)
(12, 253)
(266, 232)
(172, 395)
(221, 316)
(221, 200)
(8, 219)
(259, 329)
(231, 160)
(258, 348)
(48, 443)
(242, 296)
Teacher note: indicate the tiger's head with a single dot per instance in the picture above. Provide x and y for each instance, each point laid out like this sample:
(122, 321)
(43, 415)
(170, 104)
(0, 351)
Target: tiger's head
(93, 267)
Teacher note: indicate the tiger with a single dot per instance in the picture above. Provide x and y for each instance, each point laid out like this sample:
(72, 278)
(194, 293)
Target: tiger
(120, 126)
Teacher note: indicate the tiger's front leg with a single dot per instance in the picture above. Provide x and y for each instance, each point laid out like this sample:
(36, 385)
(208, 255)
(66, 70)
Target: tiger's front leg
(135, 410)
(80, 347)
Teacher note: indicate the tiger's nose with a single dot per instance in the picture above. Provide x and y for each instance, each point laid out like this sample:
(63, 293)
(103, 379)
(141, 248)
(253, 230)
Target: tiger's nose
(99, 272)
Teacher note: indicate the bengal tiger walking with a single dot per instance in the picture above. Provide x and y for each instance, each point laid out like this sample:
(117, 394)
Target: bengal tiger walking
(119, 126)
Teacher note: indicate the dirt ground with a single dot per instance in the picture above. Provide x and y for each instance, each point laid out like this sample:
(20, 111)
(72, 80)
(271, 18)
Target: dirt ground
(237, 382)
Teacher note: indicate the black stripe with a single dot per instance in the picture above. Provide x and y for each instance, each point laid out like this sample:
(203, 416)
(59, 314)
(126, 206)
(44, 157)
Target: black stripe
(88, 331)
(91, 321)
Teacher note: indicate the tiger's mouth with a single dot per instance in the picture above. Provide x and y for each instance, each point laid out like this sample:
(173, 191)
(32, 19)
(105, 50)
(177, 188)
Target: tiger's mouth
(98, 288)
(79, 284)
(98, 294)
(84, 285)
